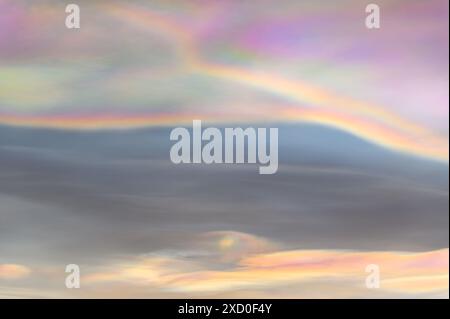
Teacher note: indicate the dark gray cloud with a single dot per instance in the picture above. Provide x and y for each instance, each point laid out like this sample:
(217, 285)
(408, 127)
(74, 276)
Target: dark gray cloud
(94, 195)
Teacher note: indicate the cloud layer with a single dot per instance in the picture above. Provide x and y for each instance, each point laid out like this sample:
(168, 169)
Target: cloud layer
(85, 174)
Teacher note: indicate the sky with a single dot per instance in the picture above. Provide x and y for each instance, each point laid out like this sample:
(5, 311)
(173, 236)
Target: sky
(86, 178)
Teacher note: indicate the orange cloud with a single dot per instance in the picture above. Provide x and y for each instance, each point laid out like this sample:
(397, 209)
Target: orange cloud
(403, 273)
(13, 271)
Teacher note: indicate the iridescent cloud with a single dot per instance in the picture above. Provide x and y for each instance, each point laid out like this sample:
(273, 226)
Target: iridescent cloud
(147, 229)
(13, 271)
(400, 272)
(302, 55)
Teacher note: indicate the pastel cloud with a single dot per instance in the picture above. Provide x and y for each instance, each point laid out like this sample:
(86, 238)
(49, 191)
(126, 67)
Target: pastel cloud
(13, 271)
(168, 62)
(404, 273)
(253, 63)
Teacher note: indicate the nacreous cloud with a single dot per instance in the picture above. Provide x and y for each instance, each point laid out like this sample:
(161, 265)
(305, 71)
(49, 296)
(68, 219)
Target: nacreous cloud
(401, 273)
(13, 271)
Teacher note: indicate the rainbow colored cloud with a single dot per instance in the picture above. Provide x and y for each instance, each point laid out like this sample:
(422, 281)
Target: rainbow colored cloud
(401, 273)
(109, 196)
(242, 76)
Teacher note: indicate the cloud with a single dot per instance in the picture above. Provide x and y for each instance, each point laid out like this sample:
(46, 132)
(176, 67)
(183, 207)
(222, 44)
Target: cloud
(111, 200)
(91, 195)
(159, 62)
(230, 246)
(401, 273)
(13, 271)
